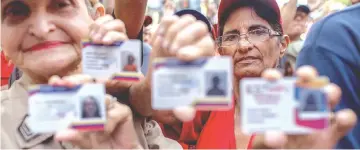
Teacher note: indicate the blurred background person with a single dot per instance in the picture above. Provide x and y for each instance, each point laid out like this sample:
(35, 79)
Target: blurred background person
(333, 48)
(147, 29)
(295, 23)
(169, 8)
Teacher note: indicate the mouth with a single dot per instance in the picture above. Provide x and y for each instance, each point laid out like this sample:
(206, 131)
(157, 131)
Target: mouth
(246, 59)
(45, 46)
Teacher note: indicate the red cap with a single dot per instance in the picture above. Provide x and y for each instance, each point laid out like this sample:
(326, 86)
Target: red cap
(226, 4)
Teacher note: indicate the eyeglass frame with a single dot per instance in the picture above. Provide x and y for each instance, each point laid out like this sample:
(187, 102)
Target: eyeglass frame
(270, 32)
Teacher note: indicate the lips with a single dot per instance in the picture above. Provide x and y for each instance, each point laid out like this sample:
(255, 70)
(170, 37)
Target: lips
(46, 45)
(245, 59)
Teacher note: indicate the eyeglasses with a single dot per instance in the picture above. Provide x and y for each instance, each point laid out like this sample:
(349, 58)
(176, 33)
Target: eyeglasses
(253, 36)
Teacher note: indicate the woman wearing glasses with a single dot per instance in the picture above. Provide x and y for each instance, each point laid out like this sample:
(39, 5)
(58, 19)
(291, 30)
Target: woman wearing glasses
(250, 32)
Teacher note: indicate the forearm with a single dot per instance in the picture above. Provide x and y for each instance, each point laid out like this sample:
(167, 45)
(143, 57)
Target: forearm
(132, 13)
(140, 98)
(288, 13)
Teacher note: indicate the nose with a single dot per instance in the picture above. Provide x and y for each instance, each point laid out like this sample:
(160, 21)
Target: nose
(41, 26)
(244, 45)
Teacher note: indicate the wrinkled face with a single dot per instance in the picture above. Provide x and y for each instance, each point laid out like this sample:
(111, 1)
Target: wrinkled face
(42, 37)
(90, 108)
(298, 26)
(251, 58)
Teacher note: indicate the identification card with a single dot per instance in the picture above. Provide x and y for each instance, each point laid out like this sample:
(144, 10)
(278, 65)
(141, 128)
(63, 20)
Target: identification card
(205, 83)
(286, 105)
(119, 61)
(54, 108)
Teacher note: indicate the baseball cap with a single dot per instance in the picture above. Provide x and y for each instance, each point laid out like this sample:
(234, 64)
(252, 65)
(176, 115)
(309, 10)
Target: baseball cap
(198, 16)
(303, 8)
(227, 5)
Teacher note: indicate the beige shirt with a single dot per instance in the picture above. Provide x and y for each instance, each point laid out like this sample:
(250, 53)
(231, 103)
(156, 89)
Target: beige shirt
(15, 133)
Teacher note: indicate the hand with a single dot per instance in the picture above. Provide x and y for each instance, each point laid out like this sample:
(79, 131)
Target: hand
(341, 122)
(119, 132)
(107, 30)
(186, 39)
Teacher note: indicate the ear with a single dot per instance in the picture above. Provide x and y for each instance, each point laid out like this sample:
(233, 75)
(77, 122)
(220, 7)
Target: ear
(100, 10)
(284, 42)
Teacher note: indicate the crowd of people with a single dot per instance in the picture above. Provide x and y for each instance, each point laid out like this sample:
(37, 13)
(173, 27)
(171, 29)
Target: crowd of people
(40, 43)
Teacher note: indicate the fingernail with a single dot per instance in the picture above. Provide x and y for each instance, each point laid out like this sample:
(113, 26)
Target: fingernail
(189, 52)
(106, 39)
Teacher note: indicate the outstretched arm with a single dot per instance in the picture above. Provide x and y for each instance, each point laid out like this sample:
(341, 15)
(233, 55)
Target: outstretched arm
(132, 13)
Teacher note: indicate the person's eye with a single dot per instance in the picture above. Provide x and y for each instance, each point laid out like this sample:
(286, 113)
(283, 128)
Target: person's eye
(61, 4)
(16, 11)
(230, 37)
(259, 32)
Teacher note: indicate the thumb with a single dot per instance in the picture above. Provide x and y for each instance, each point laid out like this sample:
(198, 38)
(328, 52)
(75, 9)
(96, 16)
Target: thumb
(270, 140)
(345, 120)
(185, 114)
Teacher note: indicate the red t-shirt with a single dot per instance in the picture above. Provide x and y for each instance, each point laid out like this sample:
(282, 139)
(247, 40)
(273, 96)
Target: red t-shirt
(215, 132)
(6, 70)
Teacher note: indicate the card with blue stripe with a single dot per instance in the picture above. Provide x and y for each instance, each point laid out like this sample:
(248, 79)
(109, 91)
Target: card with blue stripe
(119, 61)
(54, 108)
(288, 105)
(205, 83)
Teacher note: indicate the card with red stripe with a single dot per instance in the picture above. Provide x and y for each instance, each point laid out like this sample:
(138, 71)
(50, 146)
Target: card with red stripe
(54, 108)
(205, 83)
(105, 61)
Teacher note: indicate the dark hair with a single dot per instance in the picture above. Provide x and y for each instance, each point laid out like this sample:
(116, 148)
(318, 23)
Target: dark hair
(262, 10)
(303, 8)
(93, 99)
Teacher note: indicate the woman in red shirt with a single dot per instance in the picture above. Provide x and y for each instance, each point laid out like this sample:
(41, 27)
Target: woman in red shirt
(262, 46)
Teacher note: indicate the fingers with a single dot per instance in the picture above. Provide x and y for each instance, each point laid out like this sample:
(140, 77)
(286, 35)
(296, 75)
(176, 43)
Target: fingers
(74, 137)
(197, 30)
(99, 30)
(116, 114)
(333, 93)
(345, 120)
(202, 49)
(185, 113)
(118, 86)
(70, 81)
(306, 73)
(113, 36)
(271, 74)
(270, 140)
(166, 22)
(175, 28)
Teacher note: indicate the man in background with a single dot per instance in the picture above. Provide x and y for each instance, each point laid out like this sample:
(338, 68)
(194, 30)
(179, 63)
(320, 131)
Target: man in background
(296, 28)
(333, 48)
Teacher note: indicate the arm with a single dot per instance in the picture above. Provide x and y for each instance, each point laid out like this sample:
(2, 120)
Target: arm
(287, 13)
(337, 57)
(132, 13)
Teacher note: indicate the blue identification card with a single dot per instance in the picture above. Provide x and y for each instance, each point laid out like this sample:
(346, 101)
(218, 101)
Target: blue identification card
(121, 60)
(205, 83)
(286, 105)
(54, 108)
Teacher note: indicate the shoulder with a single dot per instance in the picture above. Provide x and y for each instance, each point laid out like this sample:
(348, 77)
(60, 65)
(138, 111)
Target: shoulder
(4, 96)
(335, 34)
